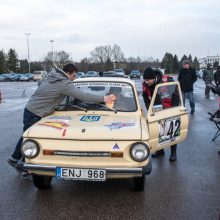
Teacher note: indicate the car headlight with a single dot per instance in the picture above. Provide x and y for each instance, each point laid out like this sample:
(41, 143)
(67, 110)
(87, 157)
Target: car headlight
(30, 149)
(139, 151)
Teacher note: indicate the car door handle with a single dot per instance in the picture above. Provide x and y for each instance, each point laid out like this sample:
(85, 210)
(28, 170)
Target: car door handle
(183, 110)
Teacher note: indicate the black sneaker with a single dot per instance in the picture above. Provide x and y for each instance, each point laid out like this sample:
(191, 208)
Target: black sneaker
(15, 164)
(172, 158)
(158, 153)
(12, 161)
(192, 112)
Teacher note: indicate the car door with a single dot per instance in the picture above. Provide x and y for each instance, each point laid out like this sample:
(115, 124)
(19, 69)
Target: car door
(167, 117)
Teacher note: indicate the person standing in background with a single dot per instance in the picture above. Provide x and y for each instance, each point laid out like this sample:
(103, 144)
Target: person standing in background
(207, 77)
(187, 77)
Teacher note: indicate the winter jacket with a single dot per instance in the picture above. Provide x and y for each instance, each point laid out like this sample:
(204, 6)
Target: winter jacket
(217, 77)
(52, 91)
(187, 78)
(207, 76)
(149, 90)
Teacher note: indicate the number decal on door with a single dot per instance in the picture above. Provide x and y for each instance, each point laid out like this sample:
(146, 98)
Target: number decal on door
(169, 130)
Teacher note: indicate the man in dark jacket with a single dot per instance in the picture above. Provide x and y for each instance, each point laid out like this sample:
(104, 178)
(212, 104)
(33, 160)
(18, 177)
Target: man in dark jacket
(207, 77)
(151, 79)
(217, 77)
(50, 93)
(187, 77)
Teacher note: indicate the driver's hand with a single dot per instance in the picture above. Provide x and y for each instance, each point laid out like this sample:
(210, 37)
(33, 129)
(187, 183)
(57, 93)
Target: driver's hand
(109, 99)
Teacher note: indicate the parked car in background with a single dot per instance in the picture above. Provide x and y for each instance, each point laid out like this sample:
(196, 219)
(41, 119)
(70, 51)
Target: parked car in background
(2, 78)
(38, 75)
(95, 142)
(91, 74)
(135, 74)
(109, 74)
(15, 76)
(26, 77)
(80, 75)
(119, 72)
(6, 77)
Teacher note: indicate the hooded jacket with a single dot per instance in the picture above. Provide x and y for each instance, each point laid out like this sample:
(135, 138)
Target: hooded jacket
(187, 78)
(52, 91)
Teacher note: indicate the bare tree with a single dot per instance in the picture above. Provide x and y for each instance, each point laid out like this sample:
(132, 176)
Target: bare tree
(59, 58)
(98, 55)
(118, 55)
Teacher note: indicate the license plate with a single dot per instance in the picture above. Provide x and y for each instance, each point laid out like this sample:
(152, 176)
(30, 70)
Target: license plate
(81, 174)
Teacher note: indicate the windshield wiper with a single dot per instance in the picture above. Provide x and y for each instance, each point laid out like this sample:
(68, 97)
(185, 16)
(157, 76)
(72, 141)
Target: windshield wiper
(106, 107)
(74, 106)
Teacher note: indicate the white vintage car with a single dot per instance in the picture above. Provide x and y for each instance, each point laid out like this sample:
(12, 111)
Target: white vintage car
(95, 142)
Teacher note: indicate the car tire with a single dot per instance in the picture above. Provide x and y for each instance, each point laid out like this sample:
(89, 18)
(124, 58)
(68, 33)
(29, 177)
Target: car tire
(139, 183)
(42, 182)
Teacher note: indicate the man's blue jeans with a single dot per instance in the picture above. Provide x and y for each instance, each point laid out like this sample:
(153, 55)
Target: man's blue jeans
(28, 120)
(189, 95)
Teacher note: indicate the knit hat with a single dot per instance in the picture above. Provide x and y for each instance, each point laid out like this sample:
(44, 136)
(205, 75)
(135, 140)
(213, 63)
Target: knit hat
(149, 73)
(186, 62)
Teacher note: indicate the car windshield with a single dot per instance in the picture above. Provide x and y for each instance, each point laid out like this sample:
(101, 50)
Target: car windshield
(125, 98)
(135, 72)
(37, 73)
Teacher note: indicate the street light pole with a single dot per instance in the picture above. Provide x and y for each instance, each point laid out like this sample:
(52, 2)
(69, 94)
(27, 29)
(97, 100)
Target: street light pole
(51, 41)
(29, 67)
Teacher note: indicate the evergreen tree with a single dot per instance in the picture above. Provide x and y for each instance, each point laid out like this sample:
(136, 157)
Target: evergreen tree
(24, 66)
(2, 62)
(176, 65)
(11, 60)
(190, 58)
(167, 63)
(196, 63)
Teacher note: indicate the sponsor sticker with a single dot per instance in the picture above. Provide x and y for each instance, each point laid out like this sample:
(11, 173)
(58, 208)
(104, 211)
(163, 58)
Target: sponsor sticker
(116, 147)
(55, 124)
(90, 118)
(60, 117)
(118, 125)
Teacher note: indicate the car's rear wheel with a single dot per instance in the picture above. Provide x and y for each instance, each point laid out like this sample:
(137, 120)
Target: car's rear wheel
(139, 183)
(42, 182)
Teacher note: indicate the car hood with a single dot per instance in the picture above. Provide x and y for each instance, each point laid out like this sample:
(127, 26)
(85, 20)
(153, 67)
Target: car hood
(87, 127)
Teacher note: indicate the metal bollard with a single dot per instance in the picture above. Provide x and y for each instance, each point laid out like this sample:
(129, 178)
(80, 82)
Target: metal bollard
(24, 93)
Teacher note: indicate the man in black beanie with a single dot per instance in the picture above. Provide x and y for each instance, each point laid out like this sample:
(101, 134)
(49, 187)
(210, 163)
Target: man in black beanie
(151, 79)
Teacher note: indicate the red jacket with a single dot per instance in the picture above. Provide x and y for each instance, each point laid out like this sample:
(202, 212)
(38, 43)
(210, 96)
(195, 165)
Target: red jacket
(148, 92)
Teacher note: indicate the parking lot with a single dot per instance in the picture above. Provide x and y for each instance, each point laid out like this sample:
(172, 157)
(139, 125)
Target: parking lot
(185, 189)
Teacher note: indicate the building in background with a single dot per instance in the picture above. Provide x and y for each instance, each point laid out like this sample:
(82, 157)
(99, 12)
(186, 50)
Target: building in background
(208, 60)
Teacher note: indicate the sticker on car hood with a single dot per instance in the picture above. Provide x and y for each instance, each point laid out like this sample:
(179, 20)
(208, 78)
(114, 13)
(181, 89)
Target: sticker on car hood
(60, 117)
(90, 118)
(55, 124)
(118, 125)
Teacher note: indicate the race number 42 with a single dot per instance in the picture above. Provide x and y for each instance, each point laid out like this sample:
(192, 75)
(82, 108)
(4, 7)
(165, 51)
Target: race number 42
(169, 129)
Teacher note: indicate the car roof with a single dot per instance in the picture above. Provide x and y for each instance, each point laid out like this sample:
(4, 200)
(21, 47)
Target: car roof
(106, 79)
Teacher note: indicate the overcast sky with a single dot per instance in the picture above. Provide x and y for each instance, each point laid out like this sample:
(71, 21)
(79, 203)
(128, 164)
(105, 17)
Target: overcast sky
(139, 27)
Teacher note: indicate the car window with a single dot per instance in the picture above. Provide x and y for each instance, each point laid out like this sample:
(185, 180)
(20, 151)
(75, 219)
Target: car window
(125, 98)
(167, 97)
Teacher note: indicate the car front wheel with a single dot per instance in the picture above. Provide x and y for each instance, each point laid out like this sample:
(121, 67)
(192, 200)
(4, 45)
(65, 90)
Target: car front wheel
(139, 183)
(42, 182)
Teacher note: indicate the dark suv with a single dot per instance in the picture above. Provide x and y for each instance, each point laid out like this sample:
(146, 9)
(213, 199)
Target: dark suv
(135, 74)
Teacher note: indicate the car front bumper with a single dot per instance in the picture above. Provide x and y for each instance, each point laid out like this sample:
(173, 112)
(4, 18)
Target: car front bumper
(112, 171)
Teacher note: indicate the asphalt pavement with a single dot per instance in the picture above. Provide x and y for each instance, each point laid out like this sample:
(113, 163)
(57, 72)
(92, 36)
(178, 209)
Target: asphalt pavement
(186, 189)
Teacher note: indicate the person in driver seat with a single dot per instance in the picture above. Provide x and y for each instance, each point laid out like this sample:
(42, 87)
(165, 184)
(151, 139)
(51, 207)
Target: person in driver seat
(121, 102)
